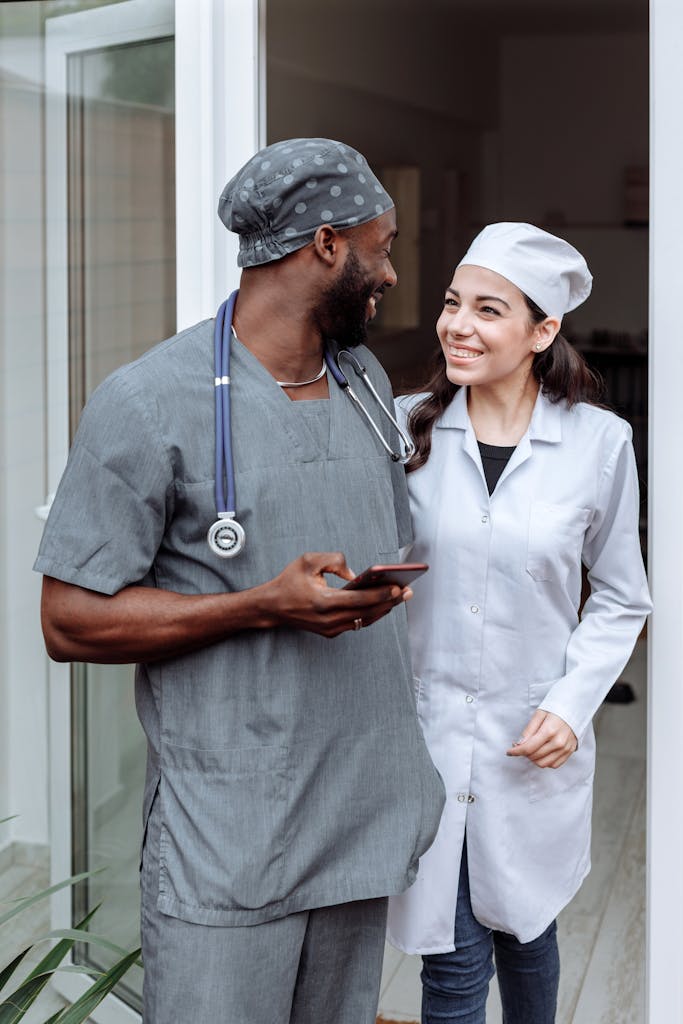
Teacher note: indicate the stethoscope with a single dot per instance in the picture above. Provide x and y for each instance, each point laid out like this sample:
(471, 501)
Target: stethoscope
(227, 537)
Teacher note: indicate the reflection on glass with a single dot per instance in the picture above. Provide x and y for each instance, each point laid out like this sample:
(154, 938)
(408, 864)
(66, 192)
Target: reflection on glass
(121, 136)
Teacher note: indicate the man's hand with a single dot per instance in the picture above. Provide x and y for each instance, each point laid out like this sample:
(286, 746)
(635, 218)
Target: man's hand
(547, 741)
(301, 599)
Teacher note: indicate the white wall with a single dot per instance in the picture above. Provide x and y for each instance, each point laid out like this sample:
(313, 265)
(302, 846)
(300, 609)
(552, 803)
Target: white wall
(23, 724)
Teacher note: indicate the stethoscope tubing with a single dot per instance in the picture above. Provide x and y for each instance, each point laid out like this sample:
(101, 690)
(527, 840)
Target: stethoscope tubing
(225, 470)
(342, 380)
(224, 464)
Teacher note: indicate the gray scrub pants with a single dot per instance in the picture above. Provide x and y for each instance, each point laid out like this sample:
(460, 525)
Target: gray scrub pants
(319, 966)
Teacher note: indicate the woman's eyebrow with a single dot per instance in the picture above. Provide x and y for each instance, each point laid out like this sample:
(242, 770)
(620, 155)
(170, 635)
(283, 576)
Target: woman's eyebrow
(482, 298)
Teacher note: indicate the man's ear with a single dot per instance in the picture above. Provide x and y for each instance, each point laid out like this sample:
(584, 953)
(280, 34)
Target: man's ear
(327, 244)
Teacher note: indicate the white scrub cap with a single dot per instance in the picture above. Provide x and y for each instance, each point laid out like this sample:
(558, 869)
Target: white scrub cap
(546, 268)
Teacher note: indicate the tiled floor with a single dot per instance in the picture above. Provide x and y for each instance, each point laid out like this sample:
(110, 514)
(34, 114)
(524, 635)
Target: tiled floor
(602, 932)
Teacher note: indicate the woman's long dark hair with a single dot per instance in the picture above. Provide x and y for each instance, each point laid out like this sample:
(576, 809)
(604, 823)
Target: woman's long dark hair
(560, 370)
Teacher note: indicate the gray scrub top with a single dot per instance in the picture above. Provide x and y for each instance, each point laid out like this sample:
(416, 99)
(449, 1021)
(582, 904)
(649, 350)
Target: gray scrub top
(291, 769)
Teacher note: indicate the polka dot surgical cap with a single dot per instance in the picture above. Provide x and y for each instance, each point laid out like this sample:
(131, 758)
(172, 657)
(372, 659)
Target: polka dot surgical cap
(278, 200)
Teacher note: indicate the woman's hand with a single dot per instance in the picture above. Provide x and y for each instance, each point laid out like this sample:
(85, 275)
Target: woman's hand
(547, 741)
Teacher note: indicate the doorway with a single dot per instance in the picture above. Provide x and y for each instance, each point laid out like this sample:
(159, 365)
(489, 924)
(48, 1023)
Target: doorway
(480, 111)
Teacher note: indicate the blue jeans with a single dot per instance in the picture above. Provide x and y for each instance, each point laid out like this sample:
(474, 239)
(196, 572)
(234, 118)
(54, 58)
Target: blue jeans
(455, 985)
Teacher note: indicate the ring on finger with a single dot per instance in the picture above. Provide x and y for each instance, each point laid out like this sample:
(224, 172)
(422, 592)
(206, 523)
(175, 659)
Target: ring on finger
(357, 623)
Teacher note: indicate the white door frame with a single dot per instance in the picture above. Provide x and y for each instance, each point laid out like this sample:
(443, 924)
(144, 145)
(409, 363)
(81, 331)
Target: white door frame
(220, 108)
(665, 727)
(219, 105)
(220, 116)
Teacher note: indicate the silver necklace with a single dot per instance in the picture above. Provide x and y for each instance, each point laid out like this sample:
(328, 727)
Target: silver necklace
(303, 383)
(294, 384)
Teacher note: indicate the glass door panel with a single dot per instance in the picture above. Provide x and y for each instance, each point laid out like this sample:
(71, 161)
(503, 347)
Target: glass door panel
(118, 150)
(121, 215)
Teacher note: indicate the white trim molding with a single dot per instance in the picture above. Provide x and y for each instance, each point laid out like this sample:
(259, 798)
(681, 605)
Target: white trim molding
(665, 727)
(219, 118)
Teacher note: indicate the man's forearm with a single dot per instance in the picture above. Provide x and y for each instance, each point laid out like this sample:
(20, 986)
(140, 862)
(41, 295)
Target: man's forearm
(145, 624)
(142, 623)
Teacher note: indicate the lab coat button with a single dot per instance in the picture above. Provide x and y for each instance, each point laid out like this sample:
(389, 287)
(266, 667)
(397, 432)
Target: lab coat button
(474, 608)
(484, 519)
(470, 798)
(469, 698)
(462, 797)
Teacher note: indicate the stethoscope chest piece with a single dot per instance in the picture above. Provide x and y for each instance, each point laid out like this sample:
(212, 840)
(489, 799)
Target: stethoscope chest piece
(226, 537)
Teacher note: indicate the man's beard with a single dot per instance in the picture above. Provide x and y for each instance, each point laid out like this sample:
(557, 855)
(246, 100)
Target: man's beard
(343, 310)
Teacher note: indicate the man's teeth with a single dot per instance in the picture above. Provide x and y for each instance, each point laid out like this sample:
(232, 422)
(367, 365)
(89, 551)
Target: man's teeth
(463, 353)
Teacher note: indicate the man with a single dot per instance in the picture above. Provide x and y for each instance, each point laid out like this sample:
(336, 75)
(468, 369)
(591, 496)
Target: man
(288, 790)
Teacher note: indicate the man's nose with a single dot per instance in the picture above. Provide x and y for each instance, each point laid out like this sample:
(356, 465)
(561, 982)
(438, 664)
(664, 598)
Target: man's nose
(391, 277)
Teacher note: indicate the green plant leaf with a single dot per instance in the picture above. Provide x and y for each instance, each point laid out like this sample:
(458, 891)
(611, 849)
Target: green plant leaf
(10, 969)
(84, 1006)
(27, 901)
(89, 937)
(48, 962)
(79, 969)
(55, 1017)
(15, 1006)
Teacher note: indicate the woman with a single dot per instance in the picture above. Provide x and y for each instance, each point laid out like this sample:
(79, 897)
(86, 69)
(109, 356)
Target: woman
(518, 479)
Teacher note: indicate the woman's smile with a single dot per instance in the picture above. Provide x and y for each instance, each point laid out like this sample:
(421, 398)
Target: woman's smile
(459, 352)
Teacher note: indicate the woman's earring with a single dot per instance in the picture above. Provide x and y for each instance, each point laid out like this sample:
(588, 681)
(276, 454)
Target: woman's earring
(538, 346)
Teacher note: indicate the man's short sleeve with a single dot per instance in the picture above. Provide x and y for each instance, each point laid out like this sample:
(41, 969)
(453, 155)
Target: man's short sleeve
(113, 501)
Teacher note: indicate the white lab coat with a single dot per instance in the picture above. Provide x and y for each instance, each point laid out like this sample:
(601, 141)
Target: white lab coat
(495, 634)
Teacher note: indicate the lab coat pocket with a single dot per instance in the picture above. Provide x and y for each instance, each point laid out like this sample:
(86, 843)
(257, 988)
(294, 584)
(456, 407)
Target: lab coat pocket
(576, 774)
(224, 821)
(555, 540)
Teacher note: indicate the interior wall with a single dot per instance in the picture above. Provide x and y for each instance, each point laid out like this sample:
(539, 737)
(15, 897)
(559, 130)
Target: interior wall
(388, 134)
(409, 54)
(426, 89)
(399, 107)
(573, 117)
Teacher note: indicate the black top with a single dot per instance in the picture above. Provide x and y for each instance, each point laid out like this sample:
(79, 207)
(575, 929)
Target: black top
(494, 459)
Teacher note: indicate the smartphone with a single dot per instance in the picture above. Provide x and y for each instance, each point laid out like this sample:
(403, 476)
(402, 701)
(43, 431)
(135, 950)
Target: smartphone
(402, 574)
